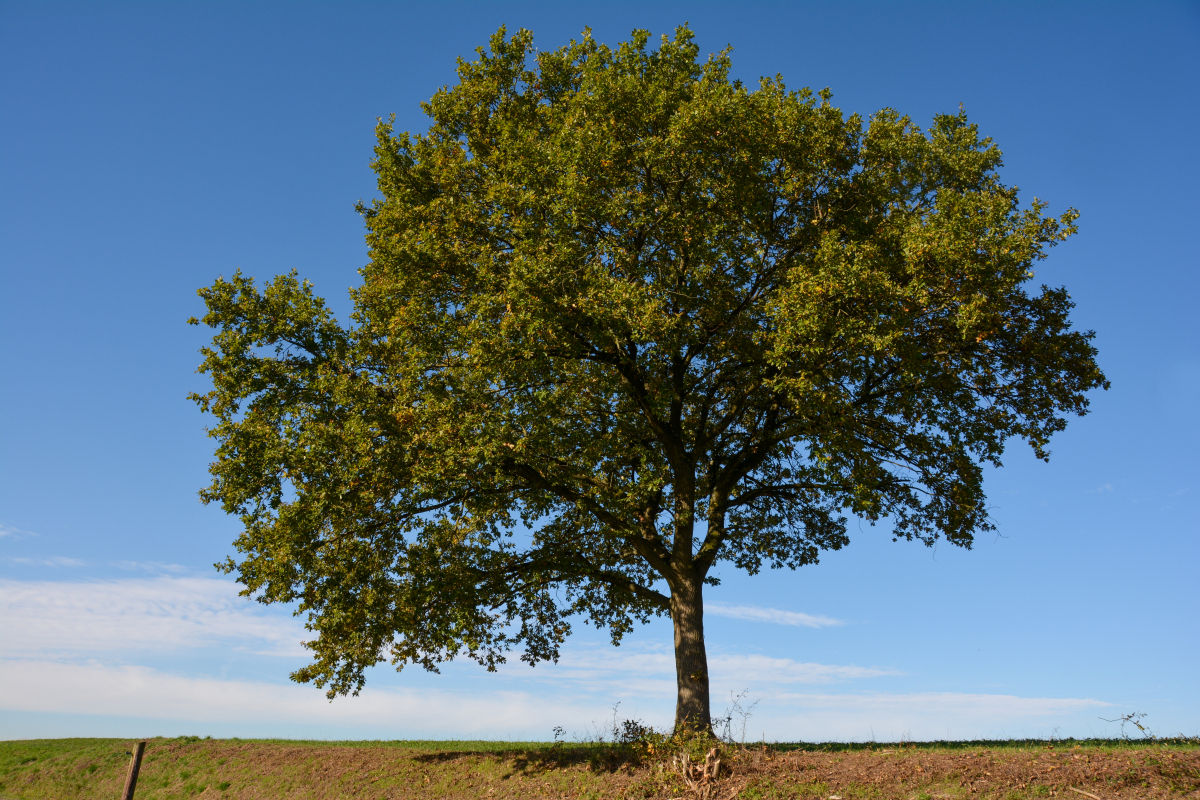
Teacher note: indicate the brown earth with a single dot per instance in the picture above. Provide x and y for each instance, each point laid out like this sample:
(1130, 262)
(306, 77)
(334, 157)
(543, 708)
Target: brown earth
(279, 770)
(1002, 772)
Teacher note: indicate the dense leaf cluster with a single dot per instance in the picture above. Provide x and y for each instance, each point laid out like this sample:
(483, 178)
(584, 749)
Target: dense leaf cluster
(625, 319)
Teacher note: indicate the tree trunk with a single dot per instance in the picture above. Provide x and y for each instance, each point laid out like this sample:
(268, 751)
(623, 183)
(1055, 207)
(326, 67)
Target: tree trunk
(691, 661)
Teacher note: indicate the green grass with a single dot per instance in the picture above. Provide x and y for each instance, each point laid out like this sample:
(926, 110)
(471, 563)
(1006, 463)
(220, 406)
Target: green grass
(435, 745)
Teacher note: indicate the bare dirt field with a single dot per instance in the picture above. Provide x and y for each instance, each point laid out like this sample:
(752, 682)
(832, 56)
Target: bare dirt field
(275, 770)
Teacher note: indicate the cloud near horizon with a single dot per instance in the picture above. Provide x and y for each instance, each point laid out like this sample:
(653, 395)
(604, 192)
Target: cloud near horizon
(76, 650)
(169, 704)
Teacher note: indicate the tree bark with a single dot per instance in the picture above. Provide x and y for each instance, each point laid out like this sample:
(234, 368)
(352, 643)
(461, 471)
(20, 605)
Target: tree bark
(692, 710)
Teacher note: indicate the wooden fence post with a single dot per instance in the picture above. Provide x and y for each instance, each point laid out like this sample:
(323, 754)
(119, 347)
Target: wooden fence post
(134, 765)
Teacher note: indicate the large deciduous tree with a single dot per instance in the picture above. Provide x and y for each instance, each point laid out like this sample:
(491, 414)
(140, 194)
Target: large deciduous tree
(626, 319)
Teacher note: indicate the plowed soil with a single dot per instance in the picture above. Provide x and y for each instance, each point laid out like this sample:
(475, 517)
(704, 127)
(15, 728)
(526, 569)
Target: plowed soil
(1006, 773)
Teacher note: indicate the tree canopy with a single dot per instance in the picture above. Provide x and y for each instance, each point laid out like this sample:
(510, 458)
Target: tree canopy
(626, 319)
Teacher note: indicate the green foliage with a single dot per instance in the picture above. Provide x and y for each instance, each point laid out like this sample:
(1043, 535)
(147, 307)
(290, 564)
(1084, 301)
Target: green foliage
(625, 319)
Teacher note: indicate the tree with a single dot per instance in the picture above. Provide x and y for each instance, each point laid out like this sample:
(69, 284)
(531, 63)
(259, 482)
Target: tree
(626, 319)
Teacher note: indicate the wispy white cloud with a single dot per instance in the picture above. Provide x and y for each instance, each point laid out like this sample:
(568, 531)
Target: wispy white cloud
(921, 716)
(165, 613)
(775, 615)
(81, 619)
(648, 672)
(764, 670)
(155, 567)
(8, 531)
(997, 706)
(130, 691)
(51, 561)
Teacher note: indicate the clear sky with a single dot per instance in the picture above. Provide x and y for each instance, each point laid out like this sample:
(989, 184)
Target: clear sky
(147, 148)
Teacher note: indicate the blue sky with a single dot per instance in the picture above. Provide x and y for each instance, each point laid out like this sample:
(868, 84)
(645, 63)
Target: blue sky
(147, 148)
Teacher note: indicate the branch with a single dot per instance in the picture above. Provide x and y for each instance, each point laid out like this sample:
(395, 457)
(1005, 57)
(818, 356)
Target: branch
(620, 581)
(654, 553)
(781, 490)
(581, 565)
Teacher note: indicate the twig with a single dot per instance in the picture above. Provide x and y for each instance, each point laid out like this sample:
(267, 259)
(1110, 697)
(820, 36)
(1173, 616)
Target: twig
(1082, 792)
